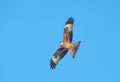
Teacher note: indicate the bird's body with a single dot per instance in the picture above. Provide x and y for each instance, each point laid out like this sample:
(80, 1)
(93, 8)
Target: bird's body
(66, 45)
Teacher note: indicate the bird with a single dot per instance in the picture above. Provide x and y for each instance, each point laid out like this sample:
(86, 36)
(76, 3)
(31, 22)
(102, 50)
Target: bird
(66, 44)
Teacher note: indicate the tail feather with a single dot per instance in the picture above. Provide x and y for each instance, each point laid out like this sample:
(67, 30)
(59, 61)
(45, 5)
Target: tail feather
(75, 47)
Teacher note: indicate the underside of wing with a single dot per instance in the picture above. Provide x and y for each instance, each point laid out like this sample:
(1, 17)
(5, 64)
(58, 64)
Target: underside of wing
(68, 33)
(59, 54)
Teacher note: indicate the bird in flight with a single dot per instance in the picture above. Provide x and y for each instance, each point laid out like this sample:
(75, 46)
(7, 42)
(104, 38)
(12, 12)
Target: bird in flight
(66, 44)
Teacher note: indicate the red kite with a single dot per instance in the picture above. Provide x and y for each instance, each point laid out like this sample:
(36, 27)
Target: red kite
(66, 44)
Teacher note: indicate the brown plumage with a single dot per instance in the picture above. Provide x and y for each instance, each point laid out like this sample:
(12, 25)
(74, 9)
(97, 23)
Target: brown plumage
(66, 44)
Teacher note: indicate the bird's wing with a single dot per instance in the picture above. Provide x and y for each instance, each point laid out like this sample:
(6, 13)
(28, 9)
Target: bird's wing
(59, 54)
(68, 33)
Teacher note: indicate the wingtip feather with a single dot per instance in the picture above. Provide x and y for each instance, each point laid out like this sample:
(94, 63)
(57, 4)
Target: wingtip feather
(52, 64)
(70, 20)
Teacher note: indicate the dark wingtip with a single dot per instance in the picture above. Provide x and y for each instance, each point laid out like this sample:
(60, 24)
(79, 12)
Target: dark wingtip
(52, 64)
(80, 41)
(70, 20)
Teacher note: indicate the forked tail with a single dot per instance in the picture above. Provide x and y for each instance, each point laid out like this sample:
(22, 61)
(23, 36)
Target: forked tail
(74, 48)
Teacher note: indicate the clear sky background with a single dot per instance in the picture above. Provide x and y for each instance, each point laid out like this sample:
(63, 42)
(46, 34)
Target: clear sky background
(31, 30)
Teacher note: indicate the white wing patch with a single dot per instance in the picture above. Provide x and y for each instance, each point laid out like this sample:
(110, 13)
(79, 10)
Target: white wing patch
(56, 59)
(69, 27)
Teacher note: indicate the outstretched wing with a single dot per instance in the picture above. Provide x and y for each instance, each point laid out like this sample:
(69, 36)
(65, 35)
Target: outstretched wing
(68, 33)
(59, 54)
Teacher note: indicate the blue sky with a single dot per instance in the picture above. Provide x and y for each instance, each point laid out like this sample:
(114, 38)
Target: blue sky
(31, 30)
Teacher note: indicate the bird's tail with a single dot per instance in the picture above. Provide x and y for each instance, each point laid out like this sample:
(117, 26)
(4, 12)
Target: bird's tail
(74, 48)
